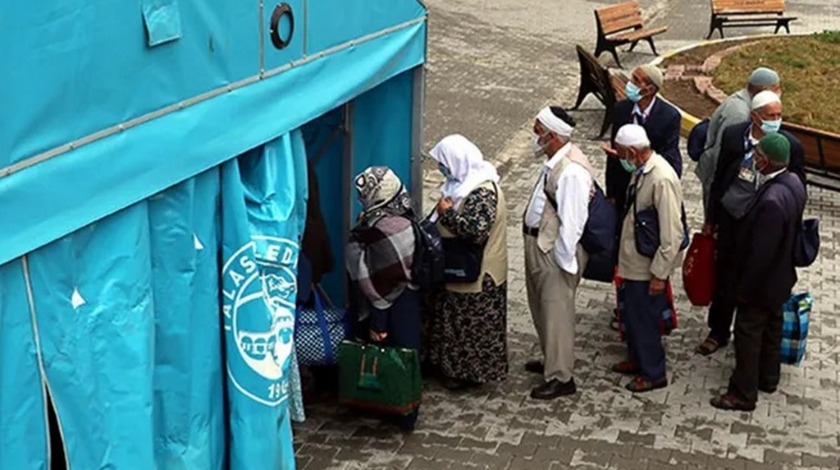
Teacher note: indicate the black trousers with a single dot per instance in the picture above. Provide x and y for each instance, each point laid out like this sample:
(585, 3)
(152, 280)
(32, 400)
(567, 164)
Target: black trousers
(722, 310)
(758, 337)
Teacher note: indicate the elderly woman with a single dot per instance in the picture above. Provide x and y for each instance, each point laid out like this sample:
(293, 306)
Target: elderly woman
(467, 331)
(379, 259)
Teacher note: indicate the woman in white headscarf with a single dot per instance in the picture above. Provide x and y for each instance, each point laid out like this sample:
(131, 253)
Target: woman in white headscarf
(467, 340)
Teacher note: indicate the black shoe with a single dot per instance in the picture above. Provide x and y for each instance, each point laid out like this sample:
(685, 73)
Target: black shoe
(767, 388)
(535, 367)
(457, 385)
(553, 389)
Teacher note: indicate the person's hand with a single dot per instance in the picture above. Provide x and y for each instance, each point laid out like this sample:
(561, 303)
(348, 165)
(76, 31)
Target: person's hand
(657, 286)
(708, 230)
(444, 205)
(609, 150)
(378, 337)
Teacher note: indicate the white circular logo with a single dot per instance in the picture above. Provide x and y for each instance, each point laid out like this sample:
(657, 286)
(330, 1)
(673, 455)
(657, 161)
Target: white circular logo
(259, 290)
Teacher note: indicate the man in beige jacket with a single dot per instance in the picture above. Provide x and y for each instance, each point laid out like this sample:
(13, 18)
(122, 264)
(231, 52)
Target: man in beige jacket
(654, 189)
(553, 225)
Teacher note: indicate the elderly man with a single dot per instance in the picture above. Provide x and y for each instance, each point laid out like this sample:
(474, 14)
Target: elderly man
(660, 120)
(766, 274)
(554, 260)
(654, 197)
(732, 194)
(735, 109)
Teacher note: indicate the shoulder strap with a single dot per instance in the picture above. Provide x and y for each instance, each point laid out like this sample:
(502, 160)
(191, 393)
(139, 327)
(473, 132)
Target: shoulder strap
(564, 163)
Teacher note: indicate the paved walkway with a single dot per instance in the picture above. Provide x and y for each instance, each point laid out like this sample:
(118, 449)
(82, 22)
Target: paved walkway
(603, 426)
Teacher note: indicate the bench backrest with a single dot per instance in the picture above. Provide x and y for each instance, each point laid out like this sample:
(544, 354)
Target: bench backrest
(627, 15)
(596, 74)
(748, 6)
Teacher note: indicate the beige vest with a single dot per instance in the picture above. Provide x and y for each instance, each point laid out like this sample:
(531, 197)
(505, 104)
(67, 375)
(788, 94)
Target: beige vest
(495, 261)
(549, 222)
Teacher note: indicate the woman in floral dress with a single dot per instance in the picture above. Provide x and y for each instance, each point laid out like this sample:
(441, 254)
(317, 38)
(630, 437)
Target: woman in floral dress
(467, 331)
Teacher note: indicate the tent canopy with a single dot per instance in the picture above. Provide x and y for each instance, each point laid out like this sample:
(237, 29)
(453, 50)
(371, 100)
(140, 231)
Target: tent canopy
(111, 102)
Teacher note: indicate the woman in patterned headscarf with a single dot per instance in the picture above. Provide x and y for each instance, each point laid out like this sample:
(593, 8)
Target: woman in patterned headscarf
(379, 257)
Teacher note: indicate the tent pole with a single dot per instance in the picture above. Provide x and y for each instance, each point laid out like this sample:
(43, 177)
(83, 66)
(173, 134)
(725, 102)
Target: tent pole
(418, 107)
(348, 162)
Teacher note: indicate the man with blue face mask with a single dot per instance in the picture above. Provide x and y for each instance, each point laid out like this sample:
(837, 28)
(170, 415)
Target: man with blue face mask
(733, 193)
(660, 120)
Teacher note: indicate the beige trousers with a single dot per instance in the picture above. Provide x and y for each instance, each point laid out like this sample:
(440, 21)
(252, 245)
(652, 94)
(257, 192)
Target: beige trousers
(551, 298)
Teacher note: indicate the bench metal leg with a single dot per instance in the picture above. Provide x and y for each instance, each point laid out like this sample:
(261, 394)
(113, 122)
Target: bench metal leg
(711, 28)
(606, 124)
(632, 46)
(615, 56)
(582, 92)
(652, 46)
(778, 27)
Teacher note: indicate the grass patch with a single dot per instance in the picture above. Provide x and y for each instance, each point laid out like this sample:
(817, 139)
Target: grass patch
(810, 71)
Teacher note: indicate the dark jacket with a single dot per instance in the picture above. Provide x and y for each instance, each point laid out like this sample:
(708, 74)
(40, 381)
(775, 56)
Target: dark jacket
(663, 130)
(765, 243)
(729, 164)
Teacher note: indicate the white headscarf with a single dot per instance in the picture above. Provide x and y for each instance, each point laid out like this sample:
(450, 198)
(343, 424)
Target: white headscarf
(466, 164)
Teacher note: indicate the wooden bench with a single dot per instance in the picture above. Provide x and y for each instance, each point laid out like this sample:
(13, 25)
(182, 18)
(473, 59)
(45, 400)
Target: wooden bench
(742, 13)
(622, 24)
(597, 80)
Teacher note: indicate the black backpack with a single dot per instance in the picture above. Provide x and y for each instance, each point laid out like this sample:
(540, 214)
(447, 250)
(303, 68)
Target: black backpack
(697, 139)
(427, 270)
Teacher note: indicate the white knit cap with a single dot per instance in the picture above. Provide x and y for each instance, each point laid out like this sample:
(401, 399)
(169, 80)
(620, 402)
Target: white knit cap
(764, 98)
(632, 135)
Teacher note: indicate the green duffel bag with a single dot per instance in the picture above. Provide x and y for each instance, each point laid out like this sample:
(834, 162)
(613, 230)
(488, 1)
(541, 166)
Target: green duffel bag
(380, 379)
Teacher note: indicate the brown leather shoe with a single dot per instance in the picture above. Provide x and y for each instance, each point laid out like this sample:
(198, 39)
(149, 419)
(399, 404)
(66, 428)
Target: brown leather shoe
(640, 385)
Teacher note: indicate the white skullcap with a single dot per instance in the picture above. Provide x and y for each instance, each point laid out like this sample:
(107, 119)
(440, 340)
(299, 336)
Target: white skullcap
(764, 98)
(554, 123)
(632, 135)
(654, 74)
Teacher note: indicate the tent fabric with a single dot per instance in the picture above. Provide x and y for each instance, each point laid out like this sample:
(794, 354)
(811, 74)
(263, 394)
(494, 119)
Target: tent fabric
(66, 192)
(263, 215)
(128, 314)
(23, 415)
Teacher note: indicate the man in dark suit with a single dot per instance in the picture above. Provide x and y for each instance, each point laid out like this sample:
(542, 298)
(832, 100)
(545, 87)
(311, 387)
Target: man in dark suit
(732, 194)
(765, 275)
(660, 120)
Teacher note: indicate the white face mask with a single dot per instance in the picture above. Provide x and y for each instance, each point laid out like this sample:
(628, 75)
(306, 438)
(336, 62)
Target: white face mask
(537, 148)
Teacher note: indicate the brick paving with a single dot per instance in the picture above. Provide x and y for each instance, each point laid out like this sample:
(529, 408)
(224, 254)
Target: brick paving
(603, 426)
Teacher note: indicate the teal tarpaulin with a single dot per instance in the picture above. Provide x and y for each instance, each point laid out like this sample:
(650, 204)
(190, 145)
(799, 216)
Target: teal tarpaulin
(153, 192)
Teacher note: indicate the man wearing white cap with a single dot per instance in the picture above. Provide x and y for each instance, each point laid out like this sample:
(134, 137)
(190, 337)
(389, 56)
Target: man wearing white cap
(554, 260)
(735, 109)
(731, 196)
(660, 120)
(646, 263)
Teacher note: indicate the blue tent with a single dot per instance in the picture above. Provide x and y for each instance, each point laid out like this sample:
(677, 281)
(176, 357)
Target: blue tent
(153, 187)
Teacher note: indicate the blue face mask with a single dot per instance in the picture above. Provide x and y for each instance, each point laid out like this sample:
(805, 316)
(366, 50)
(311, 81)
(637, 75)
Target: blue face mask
(771, 127)
(446, 173)
(634, 93)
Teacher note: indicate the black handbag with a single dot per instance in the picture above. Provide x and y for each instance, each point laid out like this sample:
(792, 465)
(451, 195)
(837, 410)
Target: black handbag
(647, 229)
(462, 260)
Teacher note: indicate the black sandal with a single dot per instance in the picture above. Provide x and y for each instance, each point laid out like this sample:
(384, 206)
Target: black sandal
(730, 402)
(708, 346)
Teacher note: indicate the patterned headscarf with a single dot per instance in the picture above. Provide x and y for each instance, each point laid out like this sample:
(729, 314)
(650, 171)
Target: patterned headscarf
(381, 193)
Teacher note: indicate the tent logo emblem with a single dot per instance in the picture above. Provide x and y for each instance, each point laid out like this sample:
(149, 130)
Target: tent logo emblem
(259, 290)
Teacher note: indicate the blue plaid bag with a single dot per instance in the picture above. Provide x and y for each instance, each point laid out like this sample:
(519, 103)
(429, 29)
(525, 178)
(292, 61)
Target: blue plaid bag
(796, 314)
(319, 331)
